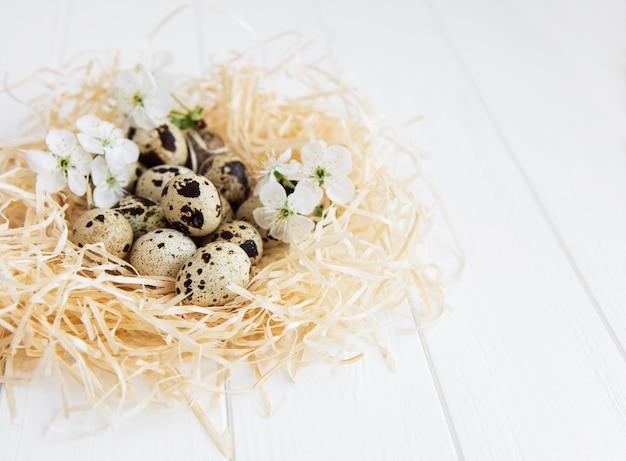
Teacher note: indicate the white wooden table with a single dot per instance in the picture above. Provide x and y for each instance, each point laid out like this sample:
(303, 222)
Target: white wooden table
(524, 115)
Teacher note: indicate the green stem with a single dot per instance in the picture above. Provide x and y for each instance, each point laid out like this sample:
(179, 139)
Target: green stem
(180, 103)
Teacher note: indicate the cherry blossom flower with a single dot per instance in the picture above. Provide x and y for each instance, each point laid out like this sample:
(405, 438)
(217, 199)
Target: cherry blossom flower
(327, 167)
(103, 138)
(143, 93)
(109, 182)
(65, 163)
(280, 168)
(285, 216)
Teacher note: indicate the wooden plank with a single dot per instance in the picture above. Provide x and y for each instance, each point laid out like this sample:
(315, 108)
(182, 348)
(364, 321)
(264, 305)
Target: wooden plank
(557, 96)
(38, 42)
(40, 431)
(359, 411)
(527, 368)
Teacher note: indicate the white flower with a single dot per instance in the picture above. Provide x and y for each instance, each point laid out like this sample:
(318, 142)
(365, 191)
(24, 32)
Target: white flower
(328, 167)
(143, 96)
(276, 168)
(285, 216)
(109, 181)
(66, 163)
(103, 138)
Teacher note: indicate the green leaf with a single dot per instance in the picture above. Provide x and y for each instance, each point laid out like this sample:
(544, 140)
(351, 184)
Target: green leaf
(188, 119)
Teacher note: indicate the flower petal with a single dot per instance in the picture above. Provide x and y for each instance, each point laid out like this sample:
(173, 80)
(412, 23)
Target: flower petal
(265, 217)
(105, 196)
(339, 189)
(280, 231)
(60, 141)
(284, 156)
(99, 170)
(292, 171)
(141, 119)
(76, 182)
(89, 125)
(106, 130)
(145, 81)
(260, 184)
(80, 160)
(90, 144)
(126, 82)
(158, 104)
(304, 198)
(42, 162)
(128, 149)
(52, 182)
(338, 160)
(297, 227)
(273, 195)
(313, 153)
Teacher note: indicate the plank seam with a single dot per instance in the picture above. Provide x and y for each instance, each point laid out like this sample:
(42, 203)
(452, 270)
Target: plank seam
(62, 38)
(456, 442)
(531, 189)
(230, 420)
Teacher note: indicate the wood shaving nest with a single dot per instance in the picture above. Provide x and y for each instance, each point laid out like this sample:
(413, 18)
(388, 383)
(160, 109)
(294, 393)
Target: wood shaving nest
(81, 312)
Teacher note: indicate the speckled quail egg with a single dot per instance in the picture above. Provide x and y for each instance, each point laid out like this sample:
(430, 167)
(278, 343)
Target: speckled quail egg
(240, 233)
(161, 252)
(230, 176)
(202, 144)
(244, 213)
(151, 183)
(192, 204)
(142, 213)
(164, 144)
(106, 226)
(205, 276)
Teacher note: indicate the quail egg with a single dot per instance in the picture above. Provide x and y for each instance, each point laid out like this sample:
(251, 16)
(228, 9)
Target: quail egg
(164, 144)
(161, 252)
(240, 233)
(142, 213)
(192, 204)
(230, 176)
(151, 183)
(106, 226)
(206, 275)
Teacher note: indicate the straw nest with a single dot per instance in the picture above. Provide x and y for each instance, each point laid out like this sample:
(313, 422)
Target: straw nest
(125, 338)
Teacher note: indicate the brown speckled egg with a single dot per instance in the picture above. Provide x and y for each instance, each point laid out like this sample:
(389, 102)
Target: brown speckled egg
(192, 205)
(161, 252)
(240, 233)
(106, 226)
(151, 183)
(205, 276)
(164, 144)
(142, 213)
(230, 176)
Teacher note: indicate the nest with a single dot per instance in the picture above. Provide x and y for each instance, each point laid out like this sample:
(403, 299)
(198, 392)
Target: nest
(126, 338)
